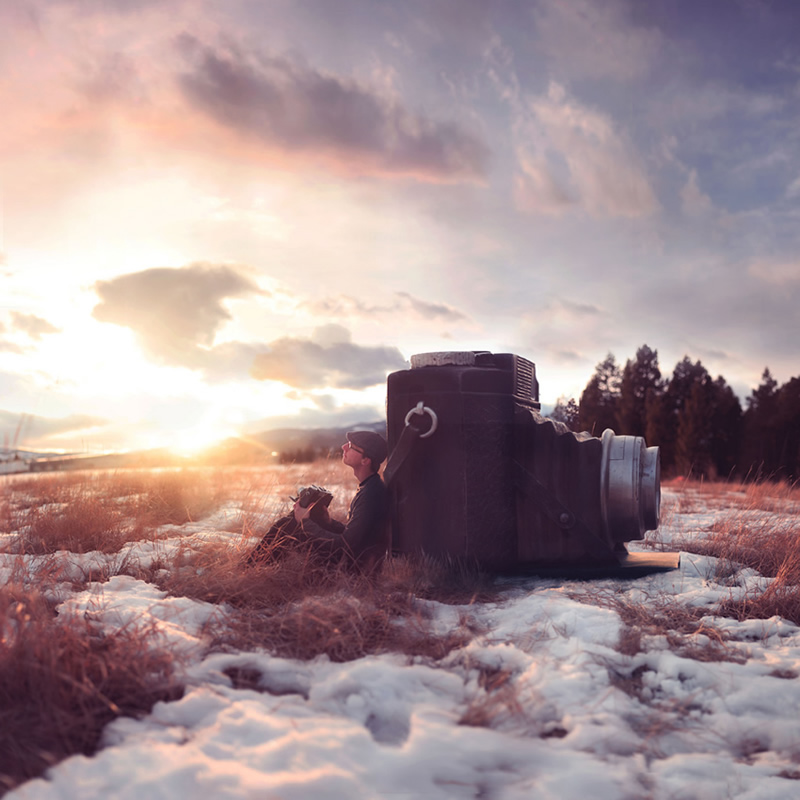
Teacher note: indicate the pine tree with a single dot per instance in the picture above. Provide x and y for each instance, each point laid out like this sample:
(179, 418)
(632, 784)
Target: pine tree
(760, 445)
(678, 391)
(693, 439)
(598, 403)
(789, 427)
(641, 379)
(708, 426)
(567, 411)
(726, 423)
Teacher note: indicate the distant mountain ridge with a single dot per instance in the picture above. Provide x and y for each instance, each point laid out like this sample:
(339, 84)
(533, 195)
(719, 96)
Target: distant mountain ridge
(269, 446)
(285, 444)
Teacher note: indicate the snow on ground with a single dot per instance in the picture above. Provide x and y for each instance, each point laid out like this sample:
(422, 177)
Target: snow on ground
(580, 719)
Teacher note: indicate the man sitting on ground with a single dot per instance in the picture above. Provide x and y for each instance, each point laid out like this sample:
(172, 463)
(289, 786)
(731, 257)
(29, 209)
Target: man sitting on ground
(363, 540)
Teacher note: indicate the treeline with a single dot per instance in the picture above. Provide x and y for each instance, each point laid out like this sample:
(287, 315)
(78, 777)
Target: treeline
(303, 455)
(696, 420)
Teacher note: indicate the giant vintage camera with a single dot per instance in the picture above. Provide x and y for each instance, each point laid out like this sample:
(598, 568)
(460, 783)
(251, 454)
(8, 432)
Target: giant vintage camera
(490, 480)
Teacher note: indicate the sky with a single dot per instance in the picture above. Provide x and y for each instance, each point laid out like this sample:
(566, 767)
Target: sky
(225, 216)
(561, 727)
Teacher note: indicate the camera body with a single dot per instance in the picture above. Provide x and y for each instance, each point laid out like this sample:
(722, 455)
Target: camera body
(500, 485)
(313, 495)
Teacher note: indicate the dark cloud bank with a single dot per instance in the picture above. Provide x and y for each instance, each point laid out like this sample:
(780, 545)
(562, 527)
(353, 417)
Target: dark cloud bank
(289, 105)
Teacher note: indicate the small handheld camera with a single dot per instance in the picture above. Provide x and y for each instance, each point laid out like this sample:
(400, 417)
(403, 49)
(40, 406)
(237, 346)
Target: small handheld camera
(313, 496)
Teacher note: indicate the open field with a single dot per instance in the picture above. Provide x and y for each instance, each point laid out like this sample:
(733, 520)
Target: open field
(140, 658)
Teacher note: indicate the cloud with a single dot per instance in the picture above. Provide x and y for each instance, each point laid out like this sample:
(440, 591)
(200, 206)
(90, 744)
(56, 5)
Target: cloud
(34, 326)
(777, 272)
(433, 311)
(567, 356)
(175, 312)
(28, 429)
(693, 200)
(538, 191)
(575, 156)
(563, 327)
(294, 108)
(10, 347)
(228, 361)
(579, 309)
(110, 77)
(404, 304)
(711, 102)
(328, 359)
(586, 39)
(319, 416)
(105, 7)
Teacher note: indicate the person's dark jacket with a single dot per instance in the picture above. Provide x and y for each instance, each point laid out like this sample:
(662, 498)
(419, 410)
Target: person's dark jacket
(277, 542)
(364, 539)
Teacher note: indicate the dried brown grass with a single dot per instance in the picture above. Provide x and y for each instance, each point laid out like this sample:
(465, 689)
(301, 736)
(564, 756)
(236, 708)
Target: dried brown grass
(780, 598)
(81, 525)
(341, 626)
(86, 511)
(497, 701)
(300, 607)
(767, 544)
(757, 528)
(755, 495)
(683, 627)
(63, 680)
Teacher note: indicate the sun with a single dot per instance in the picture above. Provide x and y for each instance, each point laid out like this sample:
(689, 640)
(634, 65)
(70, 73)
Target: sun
(192, 441)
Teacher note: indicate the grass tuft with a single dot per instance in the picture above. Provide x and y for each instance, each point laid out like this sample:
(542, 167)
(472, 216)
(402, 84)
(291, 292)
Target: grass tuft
(88, 511)
(63, 680)
(683, 627)
(755, 529)
(81, 525)
(300, 608)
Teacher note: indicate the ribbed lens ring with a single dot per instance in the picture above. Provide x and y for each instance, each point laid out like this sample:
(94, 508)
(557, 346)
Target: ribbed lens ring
(630, 488)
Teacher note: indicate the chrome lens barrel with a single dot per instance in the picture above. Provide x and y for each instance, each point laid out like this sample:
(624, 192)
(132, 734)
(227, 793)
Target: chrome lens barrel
(630, 487)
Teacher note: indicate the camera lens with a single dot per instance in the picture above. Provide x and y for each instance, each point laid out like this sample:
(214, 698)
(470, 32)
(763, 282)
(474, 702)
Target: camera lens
(630, 486)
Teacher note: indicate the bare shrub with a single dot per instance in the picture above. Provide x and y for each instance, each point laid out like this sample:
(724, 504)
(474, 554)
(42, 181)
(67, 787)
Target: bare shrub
(63, 680)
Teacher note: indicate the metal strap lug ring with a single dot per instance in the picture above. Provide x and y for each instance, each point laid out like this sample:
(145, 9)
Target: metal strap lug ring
(421, 408)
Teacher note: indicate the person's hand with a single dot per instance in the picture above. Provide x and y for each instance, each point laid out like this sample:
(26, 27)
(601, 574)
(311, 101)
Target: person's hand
(301, 513)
